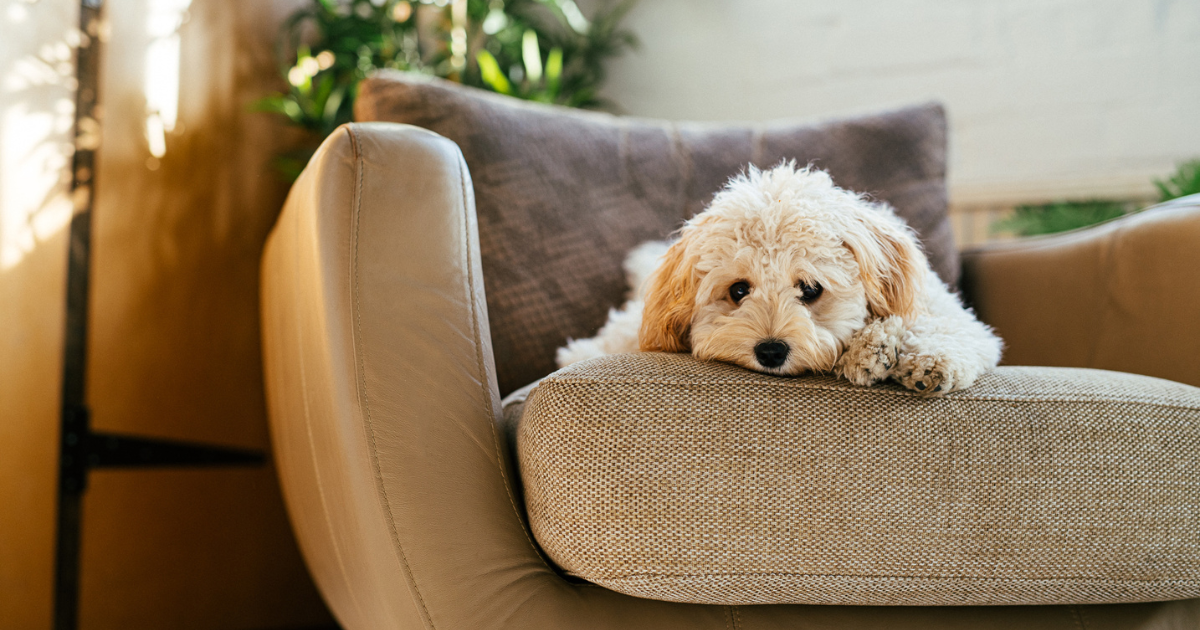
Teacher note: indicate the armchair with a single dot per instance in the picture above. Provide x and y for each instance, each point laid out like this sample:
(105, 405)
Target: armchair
(386, 419)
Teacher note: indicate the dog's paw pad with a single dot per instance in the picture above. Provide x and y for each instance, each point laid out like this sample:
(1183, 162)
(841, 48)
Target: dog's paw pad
(872, 353)
(925, 374)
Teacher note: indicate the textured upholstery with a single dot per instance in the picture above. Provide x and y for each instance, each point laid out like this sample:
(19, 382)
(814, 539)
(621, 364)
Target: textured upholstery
(383, 402)
(661, 476)
(562, 195)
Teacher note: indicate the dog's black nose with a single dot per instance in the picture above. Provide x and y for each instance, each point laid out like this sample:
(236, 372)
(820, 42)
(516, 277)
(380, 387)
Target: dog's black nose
(771, 353)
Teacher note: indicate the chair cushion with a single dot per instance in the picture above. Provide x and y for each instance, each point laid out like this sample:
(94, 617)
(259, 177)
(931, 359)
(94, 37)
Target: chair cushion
(563, 194)
(664, 477)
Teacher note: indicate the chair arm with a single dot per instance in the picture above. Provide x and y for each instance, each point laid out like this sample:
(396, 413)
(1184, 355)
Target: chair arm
(1123, 296)
(383, 403)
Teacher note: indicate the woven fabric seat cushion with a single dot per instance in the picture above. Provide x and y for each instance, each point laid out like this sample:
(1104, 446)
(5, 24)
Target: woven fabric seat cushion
(562, 194)
(663, 477)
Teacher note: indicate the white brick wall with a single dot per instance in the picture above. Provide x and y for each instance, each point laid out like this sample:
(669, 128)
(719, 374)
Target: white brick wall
(1047, 98)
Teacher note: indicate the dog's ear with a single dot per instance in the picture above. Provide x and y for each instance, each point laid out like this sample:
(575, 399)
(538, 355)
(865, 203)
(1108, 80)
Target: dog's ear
(669, 302)
(891, 263)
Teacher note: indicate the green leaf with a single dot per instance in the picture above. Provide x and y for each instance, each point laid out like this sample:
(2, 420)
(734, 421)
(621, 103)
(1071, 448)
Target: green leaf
(363, 41)
(574, 16)
(1061, 216)
(272, 104)
(554, 66)
(332, 105)
(292, 110)
(531, 54)
(280, 104)
(324, 87)
(1183, 182)
(489, 69)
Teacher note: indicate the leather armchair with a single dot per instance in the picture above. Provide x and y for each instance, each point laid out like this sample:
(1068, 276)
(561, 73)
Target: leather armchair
(385, 413)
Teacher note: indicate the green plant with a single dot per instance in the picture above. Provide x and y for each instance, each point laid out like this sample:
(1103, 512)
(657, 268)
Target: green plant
(1184, 181)
(542, 50)
(546, 50)
(1060, 216)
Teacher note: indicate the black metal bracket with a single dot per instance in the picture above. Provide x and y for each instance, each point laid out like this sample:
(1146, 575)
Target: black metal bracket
(84, 450)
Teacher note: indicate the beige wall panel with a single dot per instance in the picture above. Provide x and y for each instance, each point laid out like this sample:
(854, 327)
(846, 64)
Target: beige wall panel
(31, 321)
(192, 549)
(175, 345)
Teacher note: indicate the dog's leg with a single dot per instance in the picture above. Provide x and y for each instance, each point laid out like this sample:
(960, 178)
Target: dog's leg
(946, 348)
(620, 333)
(640, 263)
(872, 352)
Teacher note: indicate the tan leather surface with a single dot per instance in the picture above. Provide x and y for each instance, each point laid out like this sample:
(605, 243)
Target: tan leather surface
(384, 406)
(1121, 296)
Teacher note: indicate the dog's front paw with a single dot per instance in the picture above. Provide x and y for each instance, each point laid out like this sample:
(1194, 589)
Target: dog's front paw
(933, 374)
(924, 373)
(872, 352)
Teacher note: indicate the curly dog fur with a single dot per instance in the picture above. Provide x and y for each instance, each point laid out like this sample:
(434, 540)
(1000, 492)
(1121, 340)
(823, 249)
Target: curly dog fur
(786, 273)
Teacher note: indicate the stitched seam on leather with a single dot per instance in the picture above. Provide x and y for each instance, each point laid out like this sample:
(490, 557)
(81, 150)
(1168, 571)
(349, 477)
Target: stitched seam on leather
(337, 548)
(358, 165)
(729, 617)
(477, 332)
(1077, 617)
(1108, 264)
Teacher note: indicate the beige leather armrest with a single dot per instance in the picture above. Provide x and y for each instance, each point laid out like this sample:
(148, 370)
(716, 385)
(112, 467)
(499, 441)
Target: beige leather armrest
(384, 406)
(1124, 295)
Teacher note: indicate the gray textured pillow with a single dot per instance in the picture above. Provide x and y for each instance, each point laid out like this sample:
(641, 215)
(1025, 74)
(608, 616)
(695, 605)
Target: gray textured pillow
(563, 194)
(663, 477)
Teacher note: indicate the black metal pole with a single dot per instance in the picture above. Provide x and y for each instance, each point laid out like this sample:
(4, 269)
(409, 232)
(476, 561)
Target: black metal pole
(73, 438)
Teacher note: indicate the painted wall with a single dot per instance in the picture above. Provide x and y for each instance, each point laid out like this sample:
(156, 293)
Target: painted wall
(174, 349)
(1046, 98)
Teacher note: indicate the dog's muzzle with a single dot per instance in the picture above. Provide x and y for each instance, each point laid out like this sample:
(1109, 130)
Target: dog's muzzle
(771, 353)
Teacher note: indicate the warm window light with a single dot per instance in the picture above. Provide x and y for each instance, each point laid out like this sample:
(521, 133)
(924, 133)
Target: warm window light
(34, 147)
(34, 202)
(163, 20)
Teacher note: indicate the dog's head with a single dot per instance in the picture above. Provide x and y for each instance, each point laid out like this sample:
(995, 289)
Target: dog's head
(778, 273)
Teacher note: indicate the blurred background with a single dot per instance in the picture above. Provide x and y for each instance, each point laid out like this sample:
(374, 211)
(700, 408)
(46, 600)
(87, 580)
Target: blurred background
(1062, 112)
(1048, 100)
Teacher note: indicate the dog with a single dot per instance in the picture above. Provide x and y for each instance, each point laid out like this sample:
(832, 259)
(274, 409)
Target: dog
(785, 273)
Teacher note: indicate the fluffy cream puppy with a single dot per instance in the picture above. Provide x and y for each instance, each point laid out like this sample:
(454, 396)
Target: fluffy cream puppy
(786, 273)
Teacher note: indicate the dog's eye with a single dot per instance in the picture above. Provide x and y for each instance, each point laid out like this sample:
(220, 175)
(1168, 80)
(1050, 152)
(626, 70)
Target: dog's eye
(738, 291)
(809, 292)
